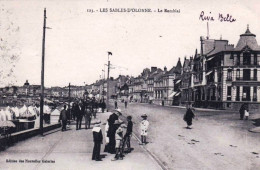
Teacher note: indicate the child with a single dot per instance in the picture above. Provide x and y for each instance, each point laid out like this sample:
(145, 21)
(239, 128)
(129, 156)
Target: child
(118, 137)
(144, 128)
(246, 114)
(107, 138)
(98, 138)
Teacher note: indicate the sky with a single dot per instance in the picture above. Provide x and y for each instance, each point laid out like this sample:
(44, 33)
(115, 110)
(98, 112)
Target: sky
(78, 41)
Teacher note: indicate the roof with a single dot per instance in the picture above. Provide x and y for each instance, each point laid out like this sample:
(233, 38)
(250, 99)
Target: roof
(178, 67)
(219, 45)
(153, 74)
(247, 40)
(171, 71)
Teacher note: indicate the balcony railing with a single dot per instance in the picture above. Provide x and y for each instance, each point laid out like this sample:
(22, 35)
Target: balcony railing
(248, 64)
(246, 79)
(229, 78)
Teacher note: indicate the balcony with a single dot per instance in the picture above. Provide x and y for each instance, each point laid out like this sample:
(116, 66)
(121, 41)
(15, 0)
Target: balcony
(246, 79)
(229, 79)
(247, 64)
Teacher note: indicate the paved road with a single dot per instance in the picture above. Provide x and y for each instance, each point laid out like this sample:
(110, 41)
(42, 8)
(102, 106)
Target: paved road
(72, 150)
(218, 140)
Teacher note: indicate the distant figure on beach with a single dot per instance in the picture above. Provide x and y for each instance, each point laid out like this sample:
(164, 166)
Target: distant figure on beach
(144, 129)
(98, 140)
(188, 116)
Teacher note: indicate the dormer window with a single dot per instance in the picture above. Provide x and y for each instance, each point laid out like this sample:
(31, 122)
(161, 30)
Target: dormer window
(246, 58)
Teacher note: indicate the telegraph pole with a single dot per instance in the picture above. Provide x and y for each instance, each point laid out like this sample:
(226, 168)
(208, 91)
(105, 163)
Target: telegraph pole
(42, 73)
(108, 69)
(69, 102)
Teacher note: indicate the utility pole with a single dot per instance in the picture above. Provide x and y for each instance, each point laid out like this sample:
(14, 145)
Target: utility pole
(42, 73)
(103, 90)
(108, 69)
(69, 102)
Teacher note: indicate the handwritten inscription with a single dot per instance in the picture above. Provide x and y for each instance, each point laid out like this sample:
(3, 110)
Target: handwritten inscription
(221, 17)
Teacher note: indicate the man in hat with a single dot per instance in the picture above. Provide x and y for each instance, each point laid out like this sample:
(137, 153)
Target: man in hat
(63, 118)
(97, 138)
(144, 128)
(118, 137)
(111, 131)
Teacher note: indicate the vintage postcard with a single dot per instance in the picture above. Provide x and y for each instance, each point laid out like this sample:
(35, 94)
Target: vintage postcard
(133, 85)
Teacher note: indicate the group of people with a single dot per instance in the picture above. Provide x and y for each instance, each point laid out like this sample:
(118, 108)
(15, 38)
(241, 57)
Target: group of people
(124, 100)
(81, 108)
(118, 136)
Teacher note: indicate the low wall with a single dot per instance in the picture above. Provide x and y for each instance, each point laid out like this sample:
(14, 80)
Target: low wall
(22, 135)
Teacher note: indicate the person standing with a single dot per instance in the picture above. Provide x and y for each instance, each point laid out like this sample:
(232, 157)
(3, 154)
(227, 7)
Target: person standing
(78, 117)
(107, 138)
(118, 138)
(144, 128)
(111, 131)
(63, 118)
(115, 104)
(98, 140)
(128, 134)
(242, 111)
(103, 106)
(125, 103)
(73, 110)
(87, 118)
(188, 116)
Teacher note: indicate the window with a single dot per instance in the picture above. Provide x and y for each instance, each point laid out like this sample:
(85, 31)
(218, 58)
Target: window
(255, 94)
(255, 74)
(229, 93)
(246, 74)
(229, 90)
(246, 94)
(238, 59)
(229, 74)
(255, 59)
(246, 59)
(237, 93)
(238, 74)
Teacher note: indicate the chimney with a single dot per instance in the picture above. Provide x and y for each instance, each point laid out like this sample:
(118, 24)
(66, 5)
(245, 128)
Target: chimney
(201, 45)
(153, 69)
(165, 69)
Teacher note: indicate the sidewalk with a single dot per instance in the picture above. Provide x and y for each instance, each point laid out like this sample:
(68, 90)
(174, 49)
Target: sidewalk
(71, 150)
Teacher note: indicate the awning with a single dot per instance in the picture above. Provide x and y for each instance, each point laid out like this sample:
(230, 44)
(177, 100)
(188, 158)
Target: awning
(178, 81)
(208, 73)
(172, 94)
(177, 94)
(210, 58)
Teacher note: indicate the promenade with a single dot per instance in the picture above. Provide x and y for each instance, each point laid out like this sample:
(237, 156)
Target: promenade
(71, 150)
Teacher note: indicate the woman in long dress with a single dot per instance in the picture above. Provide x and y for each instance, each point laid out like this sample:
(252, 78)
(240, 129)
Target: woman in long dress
(188, 117)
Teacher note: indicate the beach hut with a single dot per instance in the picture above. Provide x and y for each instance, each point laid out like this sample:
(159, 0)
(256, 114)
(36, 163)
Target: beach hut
(2, 115)
(16, 111)
(8, 113)
(55, 115)
(22, 110)
(46, 109)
